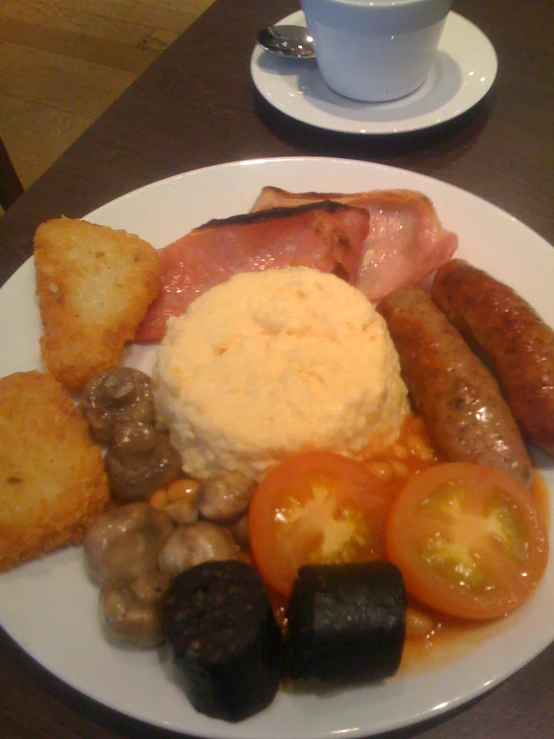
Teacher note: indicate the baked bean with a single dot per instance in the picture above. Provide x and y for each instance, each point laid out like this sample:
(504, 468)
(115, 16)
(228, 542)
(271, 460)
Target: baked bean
(399, 468)
(420, 448)
(159, 498)
(183, 488)
(399, 451)
(382, 470)
(419, 624)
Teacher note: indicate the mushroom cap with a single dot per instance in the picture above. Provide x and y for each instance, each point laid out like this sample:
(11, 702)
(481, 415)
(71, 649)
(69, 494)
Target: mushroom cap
(117, 395)
(134, 610)
(192, 544)
(125, 542)
(224, 496)
(140, 461)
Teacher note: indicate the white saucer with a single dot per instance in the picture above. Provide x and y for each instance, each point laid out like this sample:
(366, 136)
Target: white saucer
(462, 73)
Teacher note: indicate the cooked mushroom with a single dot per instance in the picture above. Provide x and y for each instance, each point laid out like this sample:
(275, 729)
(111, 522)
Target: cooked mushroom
(125, 542)
(134, 610)
(239, 529)
(224, 496)
(183, 511)
(118, 395)
(140, 460)
(195, 543)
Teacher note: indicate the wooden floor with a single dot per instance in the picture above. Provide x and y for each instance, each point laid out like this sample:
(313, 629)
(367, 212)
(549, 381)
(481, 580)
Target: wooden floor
(62, 62)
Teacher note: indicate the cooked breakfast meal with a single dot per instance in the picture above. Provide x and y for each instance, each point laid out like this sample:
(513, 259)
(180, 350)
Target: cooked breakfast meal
(94, 286)
(328, 463)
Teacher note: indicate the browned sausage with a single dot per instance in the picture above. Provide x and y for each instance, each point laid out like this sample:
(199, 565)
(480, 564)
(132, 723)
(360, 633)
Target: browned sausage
(511, 338)
(464, 411)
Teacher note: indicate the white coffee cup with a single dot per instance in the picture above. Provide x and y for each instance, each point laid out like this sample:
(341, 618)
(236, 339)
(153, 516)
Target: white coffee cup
(375, 50)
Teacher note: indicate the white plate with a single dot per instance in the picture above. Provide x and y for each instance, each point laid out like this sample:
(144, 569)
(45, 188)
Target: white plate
(49, 606)
(462, 73)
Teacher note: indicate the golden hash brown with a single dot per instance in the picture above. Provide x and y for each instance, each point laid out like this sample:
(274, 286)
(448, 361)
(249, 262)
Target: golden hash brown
(94, 285)
(52, 479)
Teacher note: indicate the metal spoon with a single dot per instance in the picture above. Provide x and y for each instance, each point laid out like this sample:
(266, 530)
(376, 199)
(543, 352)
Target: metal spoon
(293, 42)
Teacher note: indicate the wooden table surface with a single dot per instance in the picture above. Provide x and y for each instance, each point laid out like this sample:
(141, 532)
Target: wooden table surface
(196, 106)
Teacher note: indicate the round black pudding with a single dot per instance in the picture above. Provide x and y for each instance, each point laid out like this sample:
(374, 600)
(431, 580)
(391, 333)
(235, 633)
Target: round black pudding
(346, 622)
(224, 637)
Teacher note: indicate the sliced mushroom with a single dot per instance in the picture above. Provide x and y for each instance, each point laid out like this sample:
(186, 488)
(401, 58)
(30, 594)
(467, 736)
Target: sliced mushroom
(115, 396)
(195, 543)
(134, 610)
(224, 496)
(125, 542)
(140, 460)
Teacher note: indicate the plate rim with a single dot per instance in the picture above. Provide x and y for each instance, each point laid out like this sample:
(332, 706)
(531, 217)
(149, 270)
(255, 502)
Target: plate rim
(309, 116)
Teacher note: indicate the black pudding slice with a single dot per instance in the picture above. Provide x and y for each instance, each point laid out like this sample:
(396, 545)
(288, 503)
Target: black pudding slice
(346, 622)
(225, 639)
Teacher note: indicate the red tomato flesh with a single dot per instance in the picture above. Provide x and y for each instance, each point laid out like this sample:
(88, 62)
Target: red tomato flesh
(469, 540)
(316, 507)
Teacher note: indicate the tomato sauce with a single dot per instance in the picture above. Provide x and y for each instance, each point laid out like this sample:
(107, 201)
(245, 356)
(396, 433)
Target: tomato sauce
(448, 640)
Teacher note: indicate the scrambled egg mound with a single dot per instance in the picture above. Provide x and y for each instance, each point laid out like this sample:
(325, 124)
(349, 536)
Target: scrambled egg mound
(272, 363)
